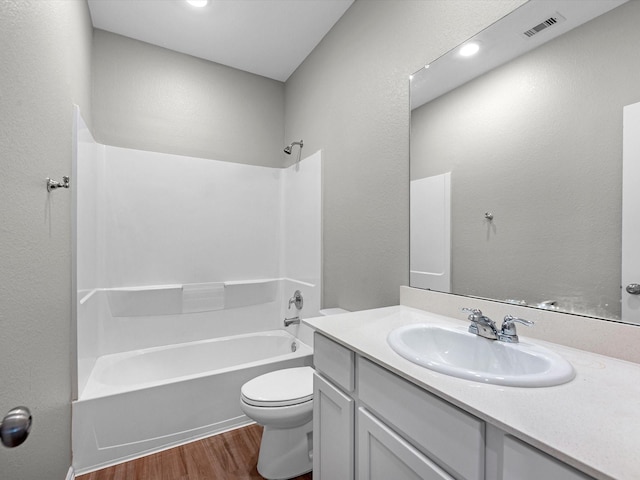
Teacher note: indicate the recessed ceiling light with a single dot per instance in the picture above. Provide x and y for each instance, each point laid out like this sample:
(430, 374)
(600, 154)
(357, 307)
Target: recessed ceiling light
(469, 49)
(198, 3)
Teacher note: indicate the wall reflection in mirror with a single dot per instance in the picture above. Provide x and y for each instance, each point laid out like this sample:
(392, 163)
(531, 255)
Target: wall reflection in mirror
(516, 175)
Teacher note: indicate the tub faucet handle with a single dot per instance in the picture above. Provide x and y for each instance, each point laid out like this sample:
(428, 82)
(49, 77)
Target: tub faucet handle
(297, 300)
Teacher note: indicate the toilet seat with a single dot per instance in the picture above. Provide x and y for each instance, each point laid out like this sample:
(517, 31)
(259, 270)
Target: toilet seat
(290, 386)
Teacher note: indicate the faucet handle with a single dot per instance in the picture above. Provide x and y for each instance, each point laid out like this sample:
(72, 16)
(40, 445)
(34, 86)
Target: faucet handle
(476, 316)
(508, 332)
(474, 313)
(510, 319)
(481, 324)
(297, 300)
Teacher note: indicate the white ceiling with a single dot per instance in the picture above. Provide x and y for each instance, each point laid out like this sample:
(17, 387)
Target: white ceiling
(266, 37)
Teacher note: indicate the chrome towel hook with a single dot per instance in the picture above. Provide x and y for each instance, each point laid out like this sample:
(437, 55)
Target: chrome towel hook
(52, 184)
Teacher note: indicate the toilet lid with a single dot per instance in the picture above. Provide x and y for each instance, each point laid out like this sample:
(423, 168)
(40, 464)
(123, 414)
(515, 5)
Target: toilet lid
(289, 386)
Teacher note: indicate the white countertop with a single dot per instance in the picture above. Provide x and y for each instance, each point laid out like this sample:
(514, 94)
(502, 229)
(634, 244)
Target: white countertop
(591, 423)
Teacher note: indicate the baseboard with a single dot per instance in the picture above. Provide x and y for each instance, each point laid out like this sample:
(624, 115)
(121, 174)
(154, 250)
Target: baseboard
(71, 475)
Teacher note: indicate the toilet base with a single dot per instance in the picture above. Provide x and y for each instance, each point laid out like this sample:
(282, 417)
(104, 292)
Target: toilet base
(286, 452)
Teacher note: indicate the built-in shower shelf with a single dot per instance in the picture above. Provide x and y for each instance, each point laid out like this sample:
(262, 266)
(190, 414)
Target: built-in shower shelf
(186, 298)
(145, 300)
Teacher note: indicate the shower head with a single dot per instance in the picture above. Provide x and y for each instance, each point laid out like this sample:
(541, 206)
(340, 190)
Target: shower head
(288, 148)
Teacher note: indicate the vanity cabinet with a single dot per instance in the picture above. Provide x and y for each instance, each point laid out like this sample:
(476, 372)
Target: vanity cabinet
(333, 411)
(371, 424)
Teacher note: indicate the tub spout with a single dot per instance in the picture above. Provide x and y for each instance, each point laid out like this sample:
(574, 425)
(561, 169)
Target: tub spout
(292, 321)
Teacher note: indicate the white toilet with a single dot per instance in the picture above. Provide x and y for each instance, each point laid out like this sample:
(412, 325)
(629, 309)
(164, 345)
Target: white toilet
(282, 402)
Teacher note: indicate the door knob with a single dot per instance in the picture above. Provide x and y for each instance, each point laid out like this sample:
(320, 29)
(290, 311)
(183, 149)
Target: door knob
(15, 427)
(633, 288)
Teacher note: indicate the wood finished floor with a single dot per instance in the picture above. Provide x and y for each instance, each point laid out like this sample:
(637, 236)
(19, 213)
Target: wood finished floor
(229, 456)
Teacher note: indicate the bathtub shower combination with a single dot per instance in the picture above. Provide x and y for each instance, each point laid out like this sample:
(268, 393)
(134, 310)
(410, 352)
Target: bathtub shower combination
(139, 402)
(179, 303)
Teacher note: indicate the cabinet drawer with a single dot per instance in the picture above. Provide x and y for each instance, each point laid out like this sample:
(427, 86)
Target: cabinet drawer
(383, 455)
(334, 361)
(525, 462)
(452, 438)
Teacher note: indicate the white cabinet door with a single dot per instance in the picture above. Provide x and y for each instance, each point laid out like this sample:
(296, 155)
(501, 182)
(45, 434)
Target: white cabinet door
(333, 432)
(523, 462)
(383, 455)
(451, 437)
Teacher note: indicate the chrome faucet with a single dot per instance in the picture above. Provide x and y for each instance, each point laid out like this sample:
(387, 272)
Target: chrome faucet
(481, 325)
(508, 331)
(292, 321)
(298, 302)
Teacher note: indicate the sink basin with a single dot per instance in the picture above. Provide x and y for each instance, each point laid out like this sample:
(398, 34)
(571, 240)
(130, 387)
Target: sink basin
(454, 351)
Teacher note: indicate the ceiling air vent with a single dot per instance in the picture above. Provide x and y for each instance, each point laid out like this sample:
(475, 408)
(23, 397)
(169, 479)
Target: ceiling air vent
(549, 22)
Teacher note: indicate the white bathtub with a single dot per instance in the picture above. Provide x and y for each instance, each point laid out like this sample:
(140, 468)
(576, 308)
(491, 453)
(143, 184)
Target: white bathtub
(139, 402)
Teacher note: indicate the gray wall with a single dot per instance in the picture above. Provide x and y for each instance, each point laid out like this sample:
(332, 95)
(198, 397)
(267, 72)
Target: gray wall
(44, 69)
(150, 98)
(350, 98)
(538, 142)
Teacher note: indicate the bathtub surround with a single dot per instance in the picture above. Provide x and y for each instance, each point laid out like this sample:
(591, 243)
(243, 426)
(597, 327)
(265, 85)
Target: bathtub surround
(176, 257)
(174, 249)
(137, 206)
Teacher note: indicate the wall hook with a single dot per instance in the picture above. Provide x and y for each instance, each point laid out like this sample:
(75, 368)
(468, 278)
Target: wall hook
(488, 216)
(52, 184)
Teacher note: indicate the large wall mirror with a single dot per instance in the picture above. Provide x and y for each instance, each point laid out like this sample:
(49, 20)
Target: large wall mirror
(517, 162)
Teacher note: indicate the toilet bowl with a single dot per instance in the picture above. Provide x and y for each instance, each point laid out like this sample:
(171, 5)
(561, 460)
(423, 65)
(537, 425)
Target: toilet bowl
(282, 402)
